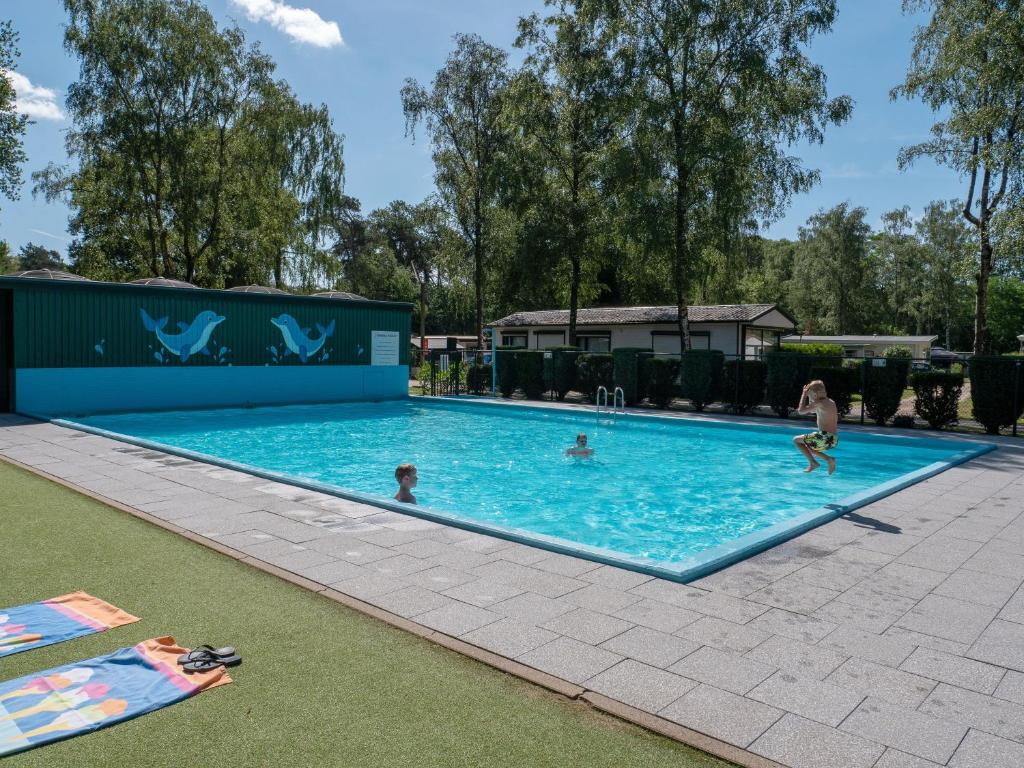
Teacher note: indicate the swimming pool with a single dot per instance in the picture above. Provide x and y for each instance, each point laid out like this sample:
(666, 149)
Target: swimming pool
(673, 497)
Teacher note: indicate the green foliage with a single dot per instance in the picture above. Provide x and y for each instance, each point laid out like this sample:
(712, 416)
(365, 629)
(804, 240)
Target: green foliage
(965, 66)
(788, 371)
(560, 370)
(884, 385)
(840, 384)
(529, 364)
(593, 371)
(710, 119)
(626, 373)
(660, 377)
(831, 275)
(13, 124)
(462, 111)
(937, 396)
(817, 350)
(478, 379)
(995, 383)
(1005, 313)
(701, 376)
(897, 352)
(505, 361)
(191, 161)
(743, 384)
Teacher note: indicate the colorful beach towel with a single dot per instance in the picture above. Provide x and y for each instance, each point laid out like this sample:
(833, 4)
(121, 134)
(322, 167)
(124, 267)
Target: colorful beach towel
(53, 621)
(88, 695)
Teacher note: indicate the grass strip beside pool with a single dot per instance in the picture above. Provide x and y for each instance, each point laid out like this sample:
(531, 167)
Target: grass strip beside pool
(321, 685)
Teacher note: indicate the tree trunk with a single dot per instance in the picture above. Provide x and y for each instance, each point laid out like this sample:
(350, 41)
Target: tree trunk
(981, 342)
(423, 309)
(478, 268)
(279, 272)
(680, 253)
(574, 258)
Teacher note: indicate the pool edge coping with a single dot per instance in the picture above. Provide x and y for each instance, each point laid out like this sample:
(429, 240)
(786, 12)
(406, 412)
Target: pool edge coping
(708, 562)
(648, 721)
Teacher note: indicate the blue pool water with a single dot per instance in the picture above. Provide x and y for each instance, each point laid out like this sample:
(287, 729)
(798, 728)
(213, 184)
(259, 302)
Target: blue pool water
(665, 494)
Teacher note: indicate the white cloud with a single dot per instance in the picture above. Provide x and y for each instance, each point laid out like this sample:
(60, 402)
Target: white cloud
(304, 25)
(34, 100)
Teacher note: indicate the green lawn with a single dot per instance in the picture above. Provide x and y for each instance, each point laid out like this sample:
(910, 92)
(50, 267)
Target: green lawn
(321, 685)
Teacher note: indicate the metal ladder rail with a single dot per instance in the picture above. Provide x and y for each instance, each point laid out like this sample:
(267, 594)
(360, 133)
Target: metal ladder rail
(619, 396)
(602, 390)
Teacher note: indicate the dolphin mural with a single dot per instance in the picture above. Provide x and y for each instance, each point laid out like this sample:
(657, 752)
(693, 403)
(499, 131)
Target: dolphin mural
(192, 338)
(297, 339)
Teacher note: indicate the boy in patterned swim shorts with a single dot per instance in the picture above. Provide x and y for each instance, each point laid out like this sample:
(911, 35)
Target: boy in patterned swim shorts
(813, 445)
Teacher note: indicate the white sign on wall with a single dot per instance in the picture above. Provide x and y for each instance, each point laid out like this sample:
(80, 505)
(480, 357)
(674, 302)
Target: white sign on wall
(384, 347)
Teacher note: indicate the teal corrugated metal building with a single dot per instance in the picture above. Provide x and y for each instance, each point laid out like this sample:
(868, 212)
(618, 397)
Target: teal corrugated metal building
(77, 346)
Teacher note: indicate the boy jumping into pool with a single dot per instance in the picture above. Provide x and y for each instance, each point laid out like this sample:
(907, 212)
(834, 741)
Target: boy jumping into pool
(813, 445)
(405, 474)
(580, 450)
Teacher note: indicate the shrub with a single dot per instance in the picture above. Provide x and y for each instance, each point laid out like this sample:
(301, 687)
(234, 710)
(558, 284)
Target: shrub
(995, 383)
(897, 352)
(903, 422)
(840, 383)
(701, 376)
(560, 370)
(593, 371)
(529, 366)
(833, 351)
(660, 377)
(937, 396)
(743, 384)
(884, 385)
(857, 366)
(626, 372)
(478, 379)
(505, 362)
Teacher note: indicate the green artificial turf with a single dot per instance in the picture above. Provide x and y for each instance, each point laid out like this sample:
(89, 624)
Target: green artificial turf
(321, 685)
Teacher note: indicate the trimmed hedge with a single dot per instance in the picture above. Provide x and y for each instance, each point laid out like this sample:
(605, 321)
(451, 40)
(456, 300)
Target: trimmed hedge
(816, 350)
(993, 384)
(840, 384)
(505, 361)
(884, 385)
(593, 371)
(937, 396)
(529, 364)
(660, 376)
(626, 372)
(560, 370)
(743, 384)
(701, 376)
(478, 379)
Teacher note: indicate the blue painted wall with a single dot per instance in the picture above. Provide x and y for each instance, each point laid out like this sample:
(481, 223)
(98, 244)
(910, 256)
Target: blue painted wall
(78, 391)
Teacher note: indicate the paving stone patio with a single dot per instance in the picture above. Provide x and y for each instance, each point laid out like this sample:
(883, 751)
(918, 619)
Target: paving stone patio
(890, 638)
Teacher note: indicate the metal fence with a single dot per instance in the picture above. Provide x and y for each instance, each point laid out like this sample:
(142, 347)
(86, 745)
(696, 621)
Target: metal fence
(448, 374)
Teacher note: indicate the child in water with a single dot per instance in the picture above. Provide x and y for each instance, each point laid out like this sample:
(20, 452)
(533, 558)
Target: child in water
(405, 474)
(813, 445)
(580, 450)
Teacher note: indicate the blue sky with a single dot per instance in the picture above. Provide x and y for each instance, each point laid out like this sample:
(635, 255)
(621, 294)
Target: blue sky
(385, 41)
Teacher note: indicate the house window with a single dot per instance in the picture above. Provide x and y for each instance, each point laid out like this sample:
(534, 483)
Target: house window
(667, 342)
(594, 342)
(514, 339)
(758, 341)
(546, 339)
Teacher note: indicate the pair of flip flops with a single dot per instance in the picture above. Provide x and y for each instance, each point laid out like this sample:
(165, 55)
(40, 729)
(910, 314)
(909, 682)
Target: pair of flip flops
(205, 658)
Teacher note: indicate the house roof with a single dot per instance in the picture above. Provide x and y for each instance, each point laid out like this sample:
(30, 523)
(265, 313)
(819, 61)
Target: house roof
(859, 339)
(722, 313)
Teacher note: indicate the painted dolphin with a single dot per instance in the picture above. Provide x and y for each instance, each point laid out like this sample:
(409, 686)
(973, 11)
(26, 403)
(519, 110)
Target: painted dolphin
(192, 339)
(297, 339)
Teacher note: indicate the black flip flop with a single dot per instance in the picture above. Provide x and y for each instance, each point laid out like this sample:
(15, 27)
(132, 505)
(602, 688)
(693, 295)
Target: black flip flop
(207, 652)
(201, 665)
